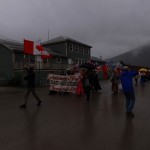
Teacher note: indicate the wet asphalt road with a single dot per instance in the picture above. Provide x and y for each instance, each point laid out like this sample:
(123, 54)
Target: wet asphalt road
(68, 122)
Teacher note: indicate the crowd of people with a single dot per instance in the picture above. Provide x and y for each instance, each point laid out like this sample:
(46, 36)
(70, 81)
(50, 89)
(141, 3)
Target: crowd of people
(127, 78)
(88, 82)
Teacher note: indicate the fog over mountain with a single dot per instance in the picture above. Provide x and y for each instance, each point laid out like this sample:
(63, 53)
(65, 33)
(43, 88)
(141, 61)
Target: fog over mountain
(137, 57)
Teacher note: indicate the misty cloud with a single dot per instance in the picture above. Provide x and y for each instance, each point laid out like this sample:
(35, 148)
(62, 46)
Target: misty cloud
(111, 27)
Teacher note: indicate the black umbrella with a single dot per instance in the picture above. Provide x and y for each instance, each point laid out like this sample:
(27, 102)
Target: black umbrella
(87, 66)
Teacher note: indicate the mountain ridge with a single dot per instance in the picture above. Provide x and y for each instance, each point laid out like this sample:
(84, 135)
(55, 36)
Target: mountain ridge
(139, 56)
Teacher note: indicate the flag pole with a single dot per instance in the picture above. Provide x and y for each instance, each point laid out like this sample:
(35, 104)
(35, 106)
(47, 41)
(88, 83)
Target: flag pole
(24, 56)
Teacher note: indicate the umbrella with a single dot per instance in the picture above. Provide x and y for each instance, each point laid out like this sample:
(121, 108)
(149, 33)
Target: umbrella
(143, 70)
(87, 66)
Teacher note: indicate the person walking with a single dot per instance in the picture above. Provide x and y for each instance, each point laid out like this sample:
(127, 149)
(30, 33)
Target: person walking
(126, 78)
(136, 80)
(115, 82)
(95, 83)
(30, 78)
(86, 80)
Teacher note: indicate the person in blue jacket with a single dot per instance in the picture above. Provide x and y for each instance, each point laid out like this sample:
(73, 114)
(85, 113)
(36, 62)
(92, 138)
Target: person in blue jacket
(126, 78)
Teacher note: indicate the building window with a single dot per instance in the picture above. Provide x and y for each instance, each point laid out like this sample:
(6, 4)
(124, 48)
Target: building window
(80, 61)
(45, 61)
(70, 61)
(82, 50)
(71, 47)
(58, 60)
(73, 61)
(32, 59)
(83, 61)
(26, 59)
(77, 60)
(87, 51)
(77, 48)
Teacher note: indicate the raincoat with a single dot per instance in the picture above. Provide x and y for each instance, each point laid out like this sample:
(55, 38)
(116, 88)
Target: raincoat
(126, 80)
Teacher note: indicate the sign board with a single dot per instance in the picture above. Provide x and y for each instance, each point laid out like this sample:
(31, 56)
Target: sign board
(63, 83)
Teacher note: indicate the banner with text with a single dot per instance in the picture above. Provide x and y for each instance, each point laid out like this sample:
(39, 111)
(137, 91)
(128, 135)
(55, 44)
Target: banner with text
(63, 83)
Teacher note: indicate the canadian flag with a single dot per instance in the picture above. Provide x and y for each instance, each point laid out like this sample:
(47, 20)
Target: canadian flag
(28, 47)
(119, 67)
(32, 49)
(98, 68)
(39, 47)
(45, 54)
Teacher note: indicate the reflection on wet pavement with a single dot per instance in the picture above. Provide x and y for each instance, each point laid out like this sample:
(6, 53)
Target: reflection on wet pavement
(69, 122)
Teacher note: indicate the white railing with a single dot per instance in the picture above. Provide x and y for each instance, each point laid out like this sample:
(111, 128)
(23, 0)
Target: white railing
(20, 65)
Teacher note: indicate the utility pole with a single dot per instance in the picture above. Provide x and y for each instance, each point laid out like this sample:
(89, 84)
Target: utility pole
(48, 34)
(39, 41)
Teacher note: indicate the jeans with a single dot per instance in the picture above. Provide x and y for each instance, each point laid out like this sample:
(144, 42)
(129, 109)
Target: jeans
(130, 100)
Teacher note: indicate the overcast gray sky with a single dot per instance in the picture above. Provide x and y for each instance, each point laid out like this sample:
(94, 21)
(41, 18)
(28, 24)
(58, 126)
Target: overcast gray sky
(111, 27)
